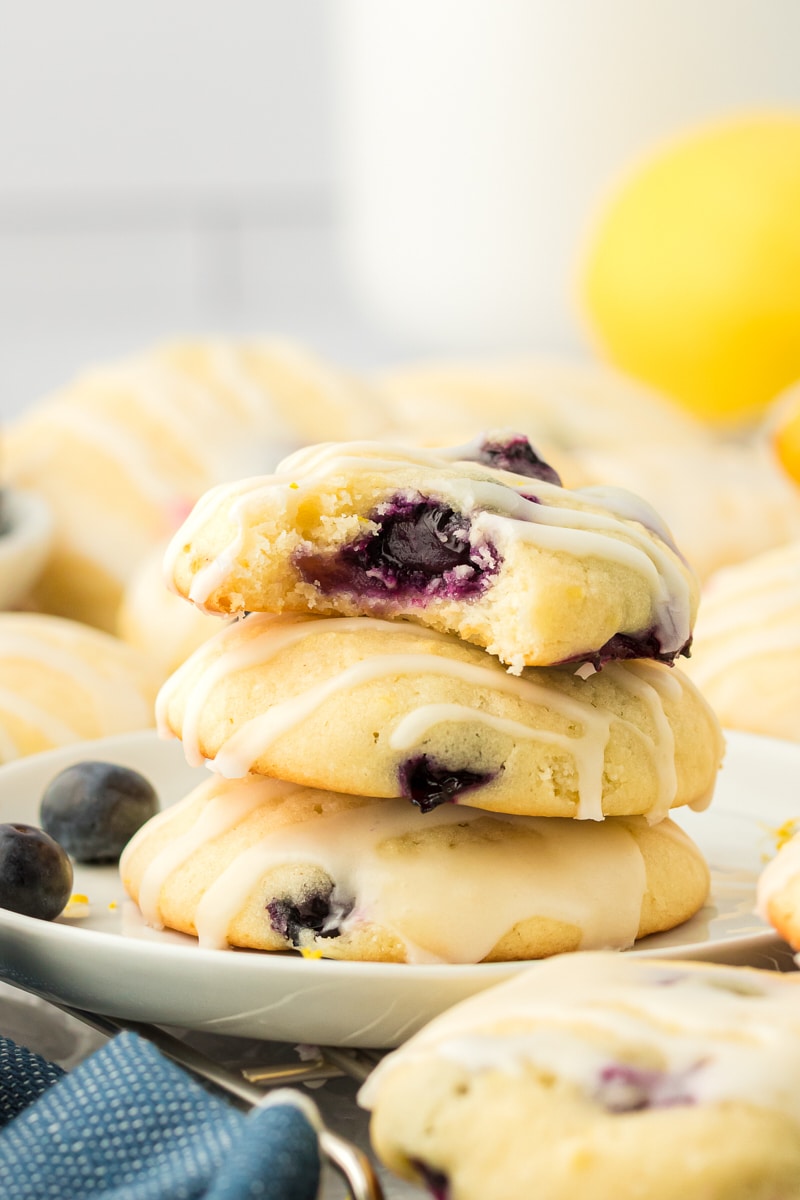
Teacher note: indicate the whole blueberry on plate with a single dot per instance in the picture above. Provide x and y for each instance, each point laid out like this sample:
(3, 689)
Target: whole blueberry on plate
(94, 808)
(35, 872)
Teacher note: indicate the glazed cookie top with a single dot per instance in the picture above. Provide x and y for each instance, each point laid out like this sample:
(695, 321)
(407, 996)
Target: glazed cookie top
(426, 881)
(415, 533)
(633, 1033)
(388, 708)
(63, 682)
(746, 651)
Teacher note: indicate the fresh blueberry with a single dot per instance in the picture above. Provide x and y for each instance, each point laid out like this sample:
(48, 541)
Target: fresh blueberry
(318, 913)
(428, 783)
(35, 872)
(517, 455)
(94, 808)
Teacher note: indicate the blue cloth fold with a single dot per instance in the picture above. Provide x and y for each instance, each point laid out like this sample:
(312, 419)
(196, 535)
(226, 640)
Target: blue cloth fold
(128, 1124)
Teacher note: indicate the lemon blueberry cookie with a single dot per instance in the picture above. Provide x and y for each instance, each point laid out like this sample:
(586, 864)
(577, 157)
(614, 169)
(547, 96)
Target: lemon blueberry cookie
(263, 864)
(601, 1075)
(746, 651)
(392, 709)
(480, 541)
(63, 682)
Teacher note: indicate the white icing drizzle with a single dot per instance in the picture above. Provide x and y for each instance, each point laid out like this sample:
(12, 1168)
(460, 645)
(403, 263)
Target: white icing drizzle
(748, 612)
(277, 633)
(247, 743)
(563, 520)
(587, 753)
(225, 809)
(116, 443)
(116, 706)
(258, 403)
(235, 649)
(724, 1033)
(590, 876)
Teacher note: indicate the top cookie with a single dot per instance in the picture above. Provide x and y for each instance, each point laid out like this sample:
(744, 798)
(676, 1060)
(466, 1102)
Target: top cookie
(480, 541)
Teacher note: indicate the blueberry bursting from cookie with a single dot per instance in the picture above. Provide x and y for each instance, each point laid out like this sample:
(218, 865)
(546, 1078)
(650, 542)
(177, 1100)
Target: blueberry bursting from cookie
(421, 549)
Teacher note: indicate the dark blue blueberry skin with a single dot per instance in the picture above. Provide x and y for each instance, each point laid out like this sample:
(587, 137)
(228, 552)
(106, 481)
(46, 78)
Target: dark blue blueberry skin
(435, 1181)
(428, 783)
(516, 454)
(625, 645)
(412, 555)
(35, 872)
(94, 808)
(291, 919)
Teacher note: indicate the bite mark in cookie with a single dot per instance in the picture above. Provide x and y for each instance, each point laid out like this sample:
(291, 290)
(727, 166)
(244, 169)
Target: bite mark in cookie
(418, 548)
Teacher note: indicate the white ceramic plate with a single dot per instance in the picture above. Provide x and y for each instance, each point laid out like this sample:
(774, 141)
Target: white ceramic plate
(110, 962)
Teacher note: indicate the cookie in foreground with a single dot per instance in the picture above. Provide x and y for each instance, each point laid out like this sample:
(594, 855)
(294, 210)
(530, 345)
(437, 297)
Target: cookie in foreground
(389, 708)
(480, 541)
(601, 1075)
(268, 865)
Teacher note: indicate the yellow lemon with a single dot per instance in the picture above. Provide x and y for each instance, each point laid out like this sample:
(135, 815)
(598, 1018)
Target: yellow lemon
(692, 274)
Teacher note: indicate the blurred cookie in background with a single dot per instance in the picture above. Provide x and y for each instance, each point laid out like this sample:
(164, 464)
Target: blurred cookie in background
(723, 501)
(26, 535)
(62, 682)
(157, 622)
(746, 650)
(561, 405)
(123, 452)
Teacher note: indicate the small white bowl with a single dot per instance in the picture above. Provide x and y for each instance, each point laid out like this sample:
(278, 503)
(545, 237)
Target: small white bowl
(24, 546)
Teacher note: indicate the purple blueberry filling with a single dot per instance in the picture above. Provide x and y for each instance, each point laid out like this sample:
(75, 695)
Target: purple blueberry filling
(420, 549)
(639, 645)
(319, 913)
(516, 454)
(435, 1181)
(624, 1089)
(428, 783)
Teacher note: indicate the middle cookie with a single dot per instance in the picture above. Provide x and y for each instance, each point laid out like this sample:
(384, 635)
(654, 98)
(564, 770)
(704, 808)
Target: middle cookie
(390, 709)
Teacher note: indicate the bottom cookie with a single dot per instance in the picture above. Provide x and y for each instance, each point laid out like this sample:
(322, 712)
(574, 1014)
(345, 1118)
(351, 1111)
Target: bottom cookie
(601, 1076)
(267, 865)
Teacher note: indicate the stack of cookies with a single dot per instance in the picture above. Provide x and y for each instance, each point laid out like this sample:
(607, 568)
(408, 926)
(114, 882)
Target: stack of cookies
(445, 728)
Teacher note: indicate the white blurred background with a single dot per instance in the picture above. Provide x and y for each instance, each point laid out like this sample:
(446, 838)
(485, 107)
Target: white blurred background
(374, 177)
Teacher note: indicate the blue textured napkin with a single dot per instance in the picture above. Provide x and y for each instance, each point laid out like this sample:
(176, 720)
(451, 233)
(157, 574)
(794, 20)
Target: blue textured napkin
(128, 1124)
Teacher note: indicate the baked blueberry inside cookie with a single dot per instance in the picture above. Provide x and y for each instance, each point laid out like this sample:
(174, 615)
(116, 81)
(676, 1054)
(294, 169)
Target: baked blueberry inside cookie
(516, 454)
(428, 783)
(319, 914)
(419, 548)
(624, 646)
